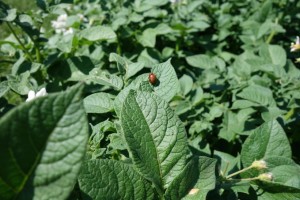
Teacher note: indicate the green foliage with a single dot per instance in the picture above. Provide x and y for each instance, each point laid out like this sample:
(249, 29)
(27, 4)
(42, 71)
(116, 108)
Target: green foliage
(110, 179)
(42, 146)
(220, 121)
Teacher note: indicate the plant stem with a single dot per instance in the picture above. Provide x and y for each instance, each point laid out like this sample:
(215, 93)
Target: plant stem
(238, 172)
(270, 37)
(37, 53)
(244, 179)
(288, 115)
(272, 34)
(22, 45)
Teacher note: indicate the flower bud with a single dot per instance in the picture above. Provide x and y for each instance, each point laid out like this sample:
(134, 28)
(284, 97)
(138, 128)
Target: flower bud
(259, 164)
(266, 177)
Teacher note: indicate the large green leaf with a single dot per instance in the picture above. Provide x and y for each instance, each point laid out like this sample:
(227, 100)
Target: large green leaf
(267, 140)
(42, 144)
(156, 138)
(110, 179)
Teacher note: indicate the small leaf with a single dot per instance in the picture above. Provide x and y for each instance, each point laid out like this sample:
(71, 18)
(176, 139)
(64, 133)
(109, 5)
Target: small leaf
(148, 38)
(43, 164)
(186, 84)
(116, 141)
(62, 42)
(104, 78)
(98, 33)
(201, 61)
(231, 126)
(22, 65)
(274, 54)
(98, 103)
(168, 83)
(20, 84)
(110, 179)
(3, 88)
(7, 14)
(198, 97)
(258, 94)
(267, 140)
(122, 63)
(133, 68)
(182, 107)
(227, 162)
(149, 56)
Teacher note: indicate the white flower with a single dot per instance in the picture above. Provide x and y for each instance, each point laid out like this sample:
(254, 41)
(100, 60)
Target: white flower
(68, 31)
(295, 46)
(33, 95)
(62, 18)
(60, 25)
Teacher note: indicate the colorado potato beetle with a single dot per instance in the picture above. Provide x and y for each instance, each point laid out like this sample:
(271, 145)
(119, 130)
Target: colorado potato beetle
(152, 78)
